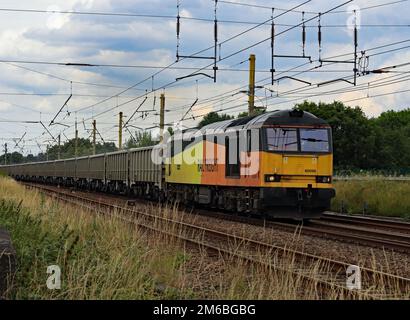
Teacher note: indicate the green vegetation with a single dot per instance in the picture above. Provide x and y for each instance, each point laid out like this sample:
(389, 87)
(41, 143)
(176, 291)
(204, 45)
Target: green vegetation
(141, 139)
(256, 113)
(374, 196)
(84, 148)
(99, 257)
(213, 117)
(377, 144)
(67, 150)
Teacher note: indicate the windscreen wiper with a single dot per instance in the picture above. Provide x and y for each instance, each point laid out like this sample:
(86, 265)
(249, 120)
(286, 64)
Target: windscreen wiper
(313, 140)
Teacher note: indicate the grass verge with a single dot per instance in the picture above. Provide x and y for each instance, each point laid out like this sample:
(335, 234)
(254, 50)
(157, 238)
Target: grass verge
(99, 257)
(375, 196)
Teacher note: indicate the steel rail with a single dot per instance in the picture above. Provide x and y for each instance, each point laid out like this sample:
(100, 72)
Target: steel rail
(370, 221)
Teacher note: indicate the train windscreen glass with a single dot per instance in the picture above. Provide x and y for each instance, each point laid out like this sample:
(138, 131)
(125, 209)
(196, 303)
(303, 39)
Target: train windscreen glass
(314, 140)
(282, 139)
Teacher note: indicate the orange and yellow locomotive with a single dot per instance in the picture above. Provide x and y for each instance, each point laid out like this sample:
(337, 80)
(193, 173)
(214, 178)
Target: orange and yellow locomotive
(279, 163)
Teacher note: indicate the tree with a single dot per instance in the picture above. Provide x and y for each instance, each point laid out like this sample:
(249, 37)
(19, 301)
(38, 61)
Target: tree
(392, 139)
(256, 113)
(212, 117)
(105, 147)
(170, 131)
(12, 158)
(142, 139)
(84, 148)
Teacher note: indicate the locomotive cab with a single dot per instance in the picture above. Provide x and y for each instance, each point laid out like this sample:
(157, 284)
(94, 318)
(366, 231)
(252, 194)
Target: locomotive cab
(296, 165)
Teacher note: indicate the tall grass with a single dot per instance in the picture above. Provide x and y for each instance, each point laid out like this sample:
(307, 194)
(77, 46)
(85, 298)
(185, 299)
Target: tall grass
(102, 257)
(375, 196)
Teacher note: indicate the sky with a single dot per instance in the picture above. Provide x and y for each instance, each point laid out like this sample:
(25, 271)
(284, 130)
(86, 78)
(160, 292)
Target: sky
(30, 91)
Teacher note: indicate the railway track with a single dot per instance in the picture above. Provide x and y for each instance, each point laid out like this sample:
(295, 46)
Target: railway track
(332, 274)
(363, 235)
(336, 231)
(399, 226)
(367, 231)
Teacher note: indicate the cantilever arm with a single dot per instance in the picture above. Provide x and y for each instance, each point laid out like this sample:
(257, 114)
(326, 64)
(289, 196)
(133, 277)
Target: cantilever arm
(195, 74)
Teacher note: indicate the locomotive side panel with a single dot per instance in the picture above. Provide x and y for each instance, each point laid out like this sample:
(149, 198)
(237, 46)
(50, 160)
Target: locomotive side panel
(184, 166)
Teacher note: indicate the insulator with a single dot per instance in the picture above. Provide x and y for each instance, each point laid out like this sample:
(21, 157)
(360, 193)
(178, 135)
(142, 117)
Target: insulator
(355, 36)
(320, 32)
(216, 24)
(303, 32)
(178, 25)
(273, 34)
(320, 36)
(178, 29)
(216, 30)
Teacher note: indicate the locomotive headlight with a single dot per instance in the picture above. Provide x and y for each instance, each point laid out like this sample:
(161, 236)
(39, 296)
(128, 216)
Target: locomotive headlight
(272, 178)
(323, 179)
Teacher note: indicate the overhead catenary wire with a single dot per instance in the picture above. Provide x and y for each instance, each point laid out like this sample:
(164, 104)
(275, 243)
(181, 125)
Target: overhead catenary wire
(155, 74)
(318, 70)
(157, 16)
(241, 3)
(309, 87)
(123, 66)
(278, 34)
(12, 63)
(170, 65)
(334, 57)
(371, 49)
(349, 89)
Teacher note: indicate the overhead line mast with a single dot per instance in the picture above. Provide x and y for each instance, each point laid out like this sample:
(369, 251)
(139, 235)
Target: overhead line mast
(120, 125)
(162, 118)
(251, 98)
(215, 46)
(76, 139)
(5, 154)
(94, 135)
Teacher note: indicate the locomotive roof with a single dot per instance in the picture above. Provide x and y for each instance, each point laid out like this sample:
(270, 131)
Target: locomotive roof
(277, 117)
